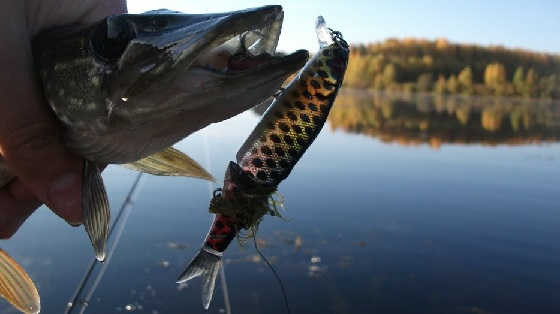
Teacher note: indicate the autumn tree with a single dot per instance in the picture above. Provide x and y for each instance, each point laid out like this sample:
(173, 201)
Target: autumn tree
(440, 85)
(378, 83)
(491, 118)
(465, 80)
(549, 86)
(495, 75)
(357, 73)
(515, 119)
(531, 83)
(519, 80)
(452, 85)
(389, 74)
(424, 82)
(401, 64)
(463, 114)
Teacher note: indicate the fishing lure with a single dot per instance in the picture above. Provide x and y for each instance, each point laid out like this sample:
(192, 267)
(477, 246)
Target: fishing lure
(123, 87)
(287, 129)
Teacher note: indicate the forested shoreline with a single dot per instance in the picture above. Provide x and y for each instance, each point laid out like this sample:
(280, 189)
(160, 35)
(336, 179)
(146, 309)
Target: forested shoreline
(442, 67)
(415, 118)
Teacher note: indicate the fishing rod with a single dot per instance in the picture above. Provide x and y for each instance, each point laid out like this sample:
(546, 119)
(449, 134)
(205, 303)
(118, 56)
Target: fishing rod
(124, 213)
(125, 208)
(211, 188)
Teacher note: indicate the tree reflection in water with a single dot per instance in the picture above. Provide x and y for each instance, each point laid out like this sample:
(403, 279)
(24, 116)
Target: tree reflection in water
(411, 119)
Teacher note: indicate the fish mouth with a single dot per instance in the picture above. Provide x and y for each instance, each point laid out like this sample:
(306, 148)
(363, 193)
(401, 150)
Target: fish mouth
(250, 46)
(196, 56)
(162, 44)
(251, 51)
(259, 66)
(240, 39)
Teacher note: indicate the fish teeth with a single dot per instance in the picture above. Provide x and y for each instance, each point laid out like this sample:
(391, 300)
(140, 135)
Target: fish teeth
(265, 40)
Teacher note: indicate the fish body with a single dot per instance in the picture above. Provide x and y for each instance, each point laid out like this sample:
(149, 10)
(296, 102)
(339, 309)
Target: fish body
(287, 129)
(122, 89)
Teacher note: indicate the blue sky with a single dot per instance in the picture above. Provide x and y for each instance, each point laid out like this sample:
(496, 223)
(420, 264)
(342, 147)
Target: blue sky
(533, 25)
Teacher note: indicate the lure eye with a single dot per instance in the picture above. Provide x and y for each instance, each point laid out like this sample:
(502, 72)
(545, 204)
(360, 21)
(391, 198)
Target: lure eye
(110, 38)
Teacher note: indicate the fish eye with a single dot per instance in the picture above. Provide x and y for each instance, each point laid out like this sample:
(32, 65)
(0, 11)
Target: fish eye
(110, 38)
(153, 24)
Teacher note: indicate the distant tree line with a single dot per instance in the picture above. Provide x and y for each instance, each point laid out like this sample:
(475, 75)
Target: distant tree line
(417, 65)
(436, 119)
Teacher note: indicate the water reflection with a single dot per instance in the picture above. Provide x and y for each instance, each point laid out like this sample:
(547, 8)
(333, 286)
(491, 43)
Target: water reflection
(442, 236)
(411, 119)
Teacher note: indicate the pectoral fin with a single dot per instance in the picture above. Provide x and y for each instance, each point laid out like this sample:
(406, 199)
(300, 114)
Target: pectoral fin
(170, 162)
(95, 208)
(16, 286)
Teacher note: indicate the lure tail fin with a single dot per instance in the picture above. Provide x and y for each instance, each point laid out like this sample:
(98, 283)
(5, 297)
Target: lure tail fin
(206, 263)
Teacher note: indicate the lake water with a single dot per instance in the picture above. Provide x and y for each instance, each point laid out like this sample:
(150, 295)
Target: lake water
(404, 204)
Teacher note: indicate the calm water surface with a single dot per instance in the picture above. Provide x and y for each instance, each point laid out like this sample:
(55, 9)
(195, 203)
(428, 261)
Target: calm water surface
(404, 204)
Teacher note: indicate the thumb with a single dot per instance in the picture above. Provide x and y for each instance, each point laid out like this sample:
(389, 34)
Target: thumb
(30, 138)
(34, 153)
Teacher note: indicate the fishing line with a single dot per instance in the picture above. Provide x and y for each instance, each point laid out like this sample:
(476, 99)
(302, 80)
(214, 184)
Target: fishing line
(212, 191)
(211, 187)
(275, 275)
(225, 289)
(125, 213)
(127, 204)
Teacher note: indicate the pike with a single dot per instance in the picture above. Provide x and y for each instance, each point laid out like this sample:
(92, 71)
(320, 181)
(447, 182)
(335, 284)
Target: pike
(285, 132)
(123, 87)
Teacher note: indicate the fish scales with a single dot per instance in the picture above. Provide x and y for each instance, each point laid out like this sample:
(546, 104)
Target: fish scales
(123, 87)
(295, 117)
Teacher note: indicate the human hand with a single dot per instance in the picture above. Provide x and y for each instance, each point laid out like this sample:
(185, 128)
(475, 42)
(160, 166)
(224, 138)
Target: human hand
(30, 137)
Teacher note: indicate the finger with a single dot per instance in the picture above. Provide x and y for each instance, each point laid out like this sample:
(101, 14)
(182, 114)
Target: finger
(30, 139)
(13, 213)
(20, 192)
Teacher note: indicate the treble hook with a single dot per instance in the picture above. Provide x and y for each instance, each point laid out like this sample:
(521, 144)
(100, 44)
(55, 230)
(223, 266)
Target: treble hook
(337, 37)
(278, 92)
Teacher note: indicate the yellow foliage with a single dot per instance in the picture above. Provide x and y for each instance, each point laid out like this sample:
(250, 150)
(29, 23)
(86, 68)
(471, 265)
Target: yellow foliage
(495, 75)
(491, 119)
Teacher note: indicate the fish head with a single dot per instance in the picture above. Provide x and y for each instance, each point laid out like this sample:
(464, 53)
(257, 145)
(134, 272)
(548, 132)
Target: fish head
(156, 70)
(183, 62)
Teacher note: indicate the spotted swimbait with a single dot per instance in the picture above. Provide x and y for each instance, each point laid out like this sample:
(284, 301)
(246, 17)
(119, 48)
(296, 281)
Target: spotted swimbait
(123, 87)
(287, 129)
